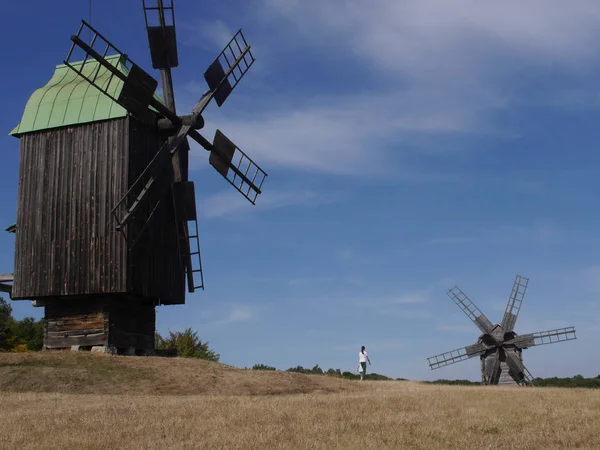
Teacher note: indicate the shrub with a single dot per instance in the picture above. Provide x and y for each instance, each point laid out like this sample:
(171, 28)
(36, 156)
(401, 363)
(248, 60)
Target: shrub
(262, 367)
(188, 345)
(19, 335)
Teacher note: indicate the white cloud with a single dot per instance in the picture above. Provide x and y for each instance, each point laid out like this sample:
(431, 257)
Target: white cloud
(375, 345)
(240, 314)
(234, 314)
(231, 202)
(451, 240)
(401, 306)
(589, 279)
(443, 69)
(423, 37)
(439, 69)
(404, 298)
(347, 254)
(459, 329)
(543, 231)
(212, 35)
(357, 134)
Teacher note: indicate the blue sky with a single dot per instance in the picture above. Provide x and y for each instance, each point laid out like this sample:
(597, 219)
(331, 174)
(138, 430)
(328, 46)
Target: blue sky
(410, 146)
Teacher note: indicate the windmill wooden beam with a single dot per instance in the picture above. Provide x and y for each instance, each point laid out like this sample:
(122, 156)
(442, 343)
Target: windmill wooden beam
(4, 279)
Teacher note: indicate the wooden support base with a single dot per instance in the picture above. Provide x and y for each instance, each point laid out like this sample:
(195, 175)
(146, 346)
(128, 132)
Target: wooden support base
(505, 379)
(110, 324)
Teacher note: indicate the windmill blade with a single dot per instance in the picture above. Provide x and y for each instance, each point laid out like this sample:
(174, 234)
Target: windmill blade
(454, 356)
(514, 303)
(237, 58)
(469, 308)
(138, 88)
(233, 164)
(517, 370)
(543, 337)
(492, 368)
(162, 38)
(147, 181)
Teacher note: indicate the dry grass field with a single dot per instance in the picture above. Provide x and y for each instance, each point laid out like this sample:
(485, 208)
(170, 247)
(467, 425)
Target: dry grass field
(84, 401)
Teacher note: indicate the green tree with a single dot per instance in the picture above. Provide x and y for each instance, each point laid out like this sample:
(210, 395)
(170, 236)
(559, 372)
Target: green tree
(6, 324)
(29, 332)
(316, 370)
(188, 345)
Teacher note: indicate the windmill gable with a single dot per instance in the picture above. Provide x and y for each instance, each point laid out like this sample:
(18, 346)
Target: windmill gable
(69, 99)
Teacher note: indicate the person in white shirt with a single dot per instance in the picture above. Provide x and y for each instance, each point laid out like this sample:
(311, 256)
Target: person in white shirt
(363, 357)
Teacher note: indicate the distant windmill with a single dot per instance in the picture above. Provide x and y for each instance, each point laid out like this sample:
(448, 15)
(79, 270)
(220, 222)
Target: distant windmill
(499, 347)
(106, 216)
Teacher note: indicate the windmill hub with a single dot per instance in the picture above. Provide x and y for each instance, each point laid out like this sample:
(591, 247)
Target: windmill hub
(499, 347)
(195, 121)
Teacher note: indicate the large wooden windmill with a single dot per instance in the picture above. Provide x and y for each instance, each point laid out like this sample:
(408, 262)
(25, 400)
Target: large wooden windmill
(500, 347)
(106, 215)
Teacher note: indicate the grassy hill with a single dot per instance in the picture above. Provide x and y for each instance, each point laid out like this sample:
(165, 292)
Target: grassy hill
(87, 373)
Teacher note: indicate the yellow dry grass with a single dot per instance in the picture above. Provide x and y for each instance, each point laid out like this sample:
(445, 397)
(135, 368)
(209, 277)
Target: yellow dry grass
(88, 373)
(357, 415)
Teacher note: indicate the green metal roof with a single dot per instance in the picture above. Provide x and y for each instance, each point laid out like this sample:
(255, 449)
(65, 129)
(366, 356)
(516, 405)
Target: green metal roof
(69, 99)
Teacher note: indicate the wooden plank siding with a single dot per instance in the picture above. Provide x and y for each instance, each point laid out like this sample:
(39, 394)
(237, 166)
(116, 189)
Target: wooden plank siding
(505, 379)
(70, 178)
(109, 321)
(155, 267)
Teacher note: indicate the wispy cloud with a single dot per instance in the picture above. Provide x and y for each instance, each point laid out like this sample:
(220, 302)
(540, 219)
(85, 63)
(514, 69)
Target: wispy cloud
(435, 70)
(308, 281)
(408, 305)
(589, 279)
(376, 345)
(452, 240)
(405, 298)
(234, 314)
(206, 34)
(311, 281)
(416, 37)
(459, 328)
(406, 314)
(231, 203)
(355, 134)
(545, 232)
(347, 254)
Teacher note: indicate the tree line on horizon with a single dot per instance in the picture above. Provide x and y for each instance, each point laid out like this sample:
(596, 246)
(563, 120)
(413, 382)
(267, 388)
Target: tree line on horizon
(316, 370)
(569, 382)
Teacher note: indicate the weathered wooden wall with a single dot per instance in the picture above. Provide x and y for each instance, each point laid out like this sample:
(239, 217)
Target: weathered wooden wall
(155, 267)
(505, 379)
(69, 178)
(75, 323)
(100, 321)
(66, 243)
(131, 325)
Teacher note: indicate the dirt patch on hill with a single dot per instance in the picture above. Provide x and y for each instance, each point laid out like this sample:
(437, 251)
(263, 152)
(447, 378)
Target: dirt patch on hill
(87, 373)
